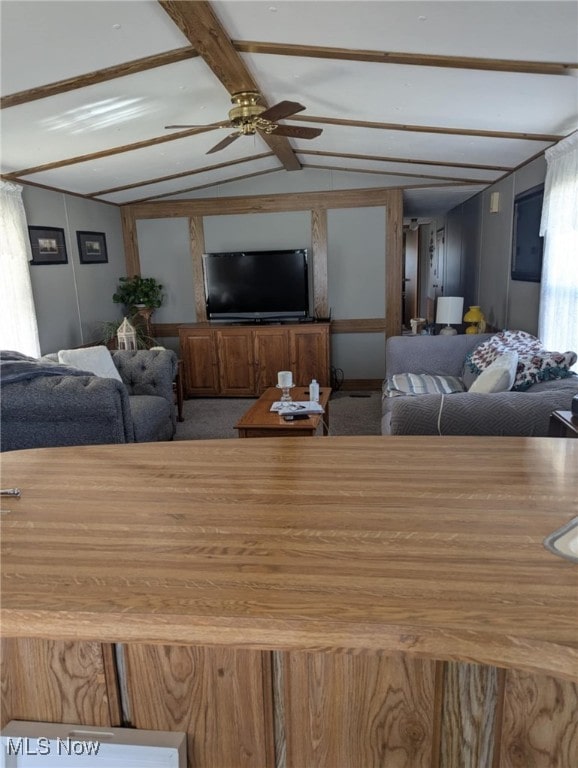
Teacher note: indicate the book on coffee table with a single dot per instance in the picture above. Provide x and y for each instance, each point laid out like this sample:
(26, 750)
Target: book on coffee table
(297, 406)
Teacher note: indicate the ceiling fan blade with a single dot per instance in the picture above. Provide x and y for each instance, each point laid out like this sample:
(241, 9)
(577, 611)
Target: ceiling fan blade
(224, 143)
(281, 110)
(297, 132)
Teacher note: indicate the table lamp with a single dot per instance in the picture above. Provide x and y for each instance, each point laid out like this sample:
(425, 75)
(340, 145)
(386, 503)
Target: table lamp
(449, 310)
(476, 318)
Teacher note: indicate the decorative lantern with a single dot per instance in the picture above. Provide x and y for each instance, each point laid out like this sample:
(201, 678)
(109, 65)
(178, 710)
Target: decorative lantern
(126, 335)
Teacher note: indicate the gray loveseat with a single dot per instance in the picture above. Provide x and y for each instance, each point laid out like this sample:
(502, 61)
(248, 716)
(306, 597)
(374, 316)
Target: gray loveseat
(70, 408)
(464, 413)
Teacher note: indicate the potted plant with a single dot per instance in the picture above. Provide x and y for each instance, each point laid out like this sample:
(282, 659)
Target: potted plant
(139, 291)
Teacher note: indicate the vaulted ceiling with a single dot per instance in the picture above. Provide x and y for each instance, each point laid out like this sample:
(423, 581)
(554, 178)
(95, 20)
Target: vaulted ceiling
(438, 98)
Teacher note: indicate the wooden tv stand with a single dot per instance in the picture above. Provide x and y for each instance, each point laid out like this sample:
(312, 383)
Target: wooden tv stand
(243, 360)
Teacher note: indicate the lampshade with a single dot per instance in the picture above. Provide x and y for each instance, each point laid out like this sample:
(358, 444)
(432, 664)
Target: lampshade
(449, 310)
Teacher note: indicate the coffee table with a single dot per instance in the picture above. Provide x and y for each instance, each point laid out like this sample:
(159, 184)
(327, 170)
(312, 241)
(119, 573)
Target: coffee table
(260, 421)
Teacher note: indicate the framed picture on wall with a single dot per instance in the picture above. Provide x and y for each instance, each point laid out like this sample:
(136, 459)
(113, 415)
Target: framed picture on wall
(92, 247)
(48, 245)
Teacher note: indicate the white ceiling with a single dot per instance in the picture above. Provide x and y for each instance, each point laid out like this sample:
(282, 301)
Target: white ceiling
(431, 145)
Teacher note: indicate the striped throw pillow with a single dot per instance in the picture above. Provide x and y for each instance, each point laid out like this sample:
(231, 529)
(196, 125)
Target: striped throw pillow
(422, 384)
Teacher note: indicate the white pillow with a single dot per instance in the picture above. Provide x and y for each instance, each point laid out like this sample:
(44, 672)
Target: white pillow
(497, 377)
(98, 360)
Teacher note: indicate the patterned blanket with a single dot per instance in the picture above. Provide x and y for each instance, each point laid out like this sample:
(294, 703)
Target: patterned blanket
(535, 363)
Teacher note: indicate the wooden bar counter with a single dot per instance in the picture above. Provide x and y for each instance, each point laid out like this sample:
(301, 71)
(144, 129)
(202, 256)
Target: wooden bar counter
(329, 603)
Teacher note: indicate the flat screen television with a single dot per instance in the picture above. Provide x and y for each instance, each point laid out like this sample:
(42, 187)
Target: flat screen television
(257, 285)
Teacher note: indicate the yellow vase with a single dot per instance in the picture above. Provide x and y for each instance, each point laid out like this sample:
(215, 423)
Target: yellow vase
(475, 316)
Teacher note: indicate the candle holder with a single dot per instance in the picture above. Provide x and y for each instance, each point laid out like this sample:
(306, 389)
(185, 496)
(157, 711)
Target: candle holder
(286, 396)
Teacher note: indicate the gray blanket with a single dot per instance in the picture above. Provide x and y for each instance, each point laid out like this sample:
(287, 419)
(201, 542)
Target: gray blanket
(14, 366)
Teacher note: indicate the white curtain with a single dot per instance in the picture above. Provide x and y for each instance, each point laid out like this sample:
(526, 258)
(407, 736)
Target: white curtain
(558, 321)
(18, 327)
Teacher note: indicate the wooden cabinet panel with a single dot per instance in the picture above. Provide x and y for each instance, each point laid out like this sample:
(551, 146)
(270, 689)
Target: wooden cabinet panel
(271, 356)
(242, 361)
(471, 703)
(197, 350)
(370, 710)
(236, 362)
(59, 682)
(540, 722)
(221, 697)
(309, 347)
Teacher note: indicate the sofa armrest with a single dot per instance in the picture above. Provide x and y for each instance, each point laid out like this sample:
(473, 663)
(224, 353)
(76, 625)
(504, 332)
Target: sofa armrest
(52, 411)
(439, 355)
(468, 413)
(147, 371)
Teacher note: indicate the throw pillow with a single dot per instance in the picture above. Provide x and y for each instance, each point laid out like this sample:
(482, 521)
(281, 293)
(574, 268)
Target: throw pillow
(499, 376)
(422, 384)
(98, 360)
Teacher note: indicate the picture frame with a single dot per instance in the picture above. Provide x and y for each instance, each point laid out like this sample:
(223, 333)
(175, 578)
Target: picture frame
(92, 247)
(527, 244)
(48, 245)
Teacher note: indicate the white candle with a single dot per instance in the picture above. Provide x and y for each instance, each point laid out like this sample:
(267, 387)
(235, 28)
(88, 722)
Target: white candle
(285, 379)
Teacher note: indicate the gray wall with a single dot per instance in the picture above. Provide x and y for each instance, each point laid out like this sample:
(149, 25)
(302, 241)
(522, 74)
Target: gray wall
(73, 299)
(480, 247)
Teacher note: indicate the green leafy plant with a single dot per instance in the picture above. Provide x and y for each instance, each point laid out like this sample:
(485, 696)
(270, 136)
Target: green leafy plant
(137, 290)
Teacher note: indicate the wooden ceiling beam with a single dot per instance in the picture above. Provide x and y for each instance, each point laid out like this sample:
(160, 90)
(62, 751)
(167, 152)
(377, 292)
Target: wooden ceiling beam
(181, 174)
(384, 159)
(547, 137)
(204, 31)
(98, 76)
(415, 59)
(456, 179)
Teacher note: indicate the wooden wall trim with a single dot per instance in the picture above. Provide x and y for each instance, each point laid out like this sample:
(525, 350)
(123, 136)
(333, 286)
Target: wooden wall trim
(394, 265)
(291, 201)
(130, 241)
(318, 203)
(319, 245)
(197, 240)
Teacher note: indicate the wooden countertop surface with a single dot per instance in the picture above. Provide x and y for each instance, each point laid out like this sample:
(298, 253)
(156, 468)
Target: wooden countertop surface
(424, 545)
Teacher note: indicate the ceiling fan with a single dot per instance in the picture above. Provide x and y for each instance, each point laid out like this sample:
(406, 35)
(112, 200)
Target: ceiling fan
(249, 117)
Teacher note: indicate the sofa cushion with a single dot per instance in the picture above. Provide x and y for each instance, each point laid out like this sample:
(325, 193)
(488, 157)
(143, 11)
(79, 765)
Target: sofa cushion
(499, 376)
(151, 417)
(97, 360)
(422, 384)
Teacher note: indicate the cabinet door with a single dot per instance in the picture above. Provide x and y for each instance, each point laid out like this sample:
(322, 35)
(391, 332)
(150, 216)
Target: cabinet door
(309, 347)
(271, 356)
(236, 361)
(199, 358)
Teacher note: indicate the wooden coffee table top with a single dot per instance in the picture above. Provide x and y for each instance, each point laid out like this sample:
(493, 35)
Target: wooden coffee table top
(260, 418)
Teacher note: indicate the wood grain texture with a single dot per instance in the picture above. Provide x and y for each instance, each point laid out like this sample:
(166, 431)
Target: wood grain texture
(57, 682)
(469, 715)
(130, 241)
(540, 722)
(319, 246)
(197, 241)
(405, 160)
(222, 699)
(411, 59)
(200, 25)
(394, 265)
(285, 543)
(290, 201)
(98, 76)
(358, 710)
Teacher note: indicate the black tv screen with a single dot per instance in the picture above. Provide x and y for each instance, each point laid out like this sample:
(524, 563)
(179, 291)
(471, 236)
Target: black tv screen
(256, 284)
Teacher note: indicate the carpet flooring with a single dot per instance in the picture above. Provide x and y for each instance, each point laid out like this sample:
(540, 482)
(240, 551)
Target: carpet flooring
(351, 413)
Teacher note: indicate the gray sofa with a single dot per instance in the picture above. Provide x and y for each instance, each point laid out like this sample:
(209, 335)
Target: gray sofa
(59, 406)
(464, 413)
